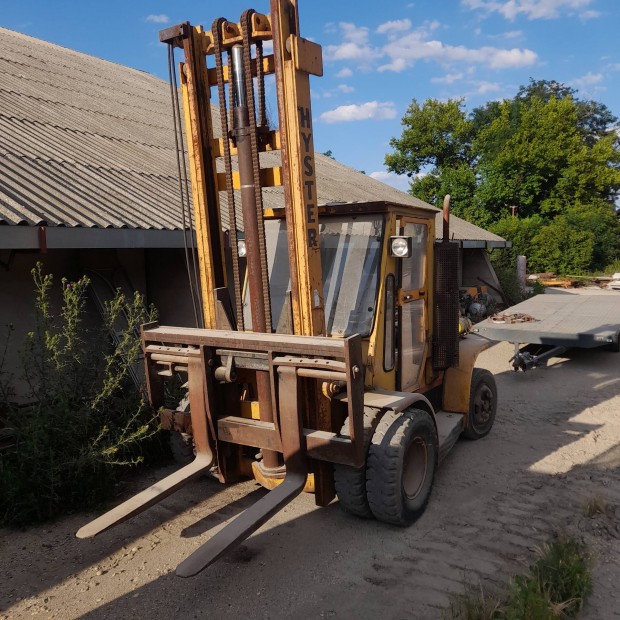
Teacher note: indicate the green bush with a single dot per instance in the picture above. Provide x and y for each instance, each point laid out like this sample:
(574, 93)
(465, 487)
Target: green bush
(84, 421)
(585, 238)
(556, 586)
(561, 248)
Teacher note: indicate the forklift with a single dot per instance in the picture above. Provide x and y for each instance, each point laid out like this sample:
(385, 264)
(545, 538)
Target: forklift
(327, 355)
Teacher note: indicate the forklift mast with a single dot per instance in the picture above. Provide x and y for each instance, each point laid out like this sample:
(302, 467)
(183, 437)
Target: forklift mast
(293, 60)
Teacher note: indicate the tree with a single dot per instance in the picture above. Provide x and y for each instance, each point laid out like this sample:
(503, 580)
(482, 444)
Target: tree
(437, 134)
(544, 155)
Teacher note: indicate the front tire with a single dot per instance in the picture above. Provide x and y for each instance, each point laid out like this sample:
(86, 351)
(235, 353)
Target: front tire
(351, 483)
(402, 461)
(482, 404)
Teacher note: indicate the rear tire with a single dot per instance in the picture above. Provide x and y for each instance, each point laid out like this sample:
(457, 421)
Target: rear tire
(351, 483)
(402, 461)
(482, 404)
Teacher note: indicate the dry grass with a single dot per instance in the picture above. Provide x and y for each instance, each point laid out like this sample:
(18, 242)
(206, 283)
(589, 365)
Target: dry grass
(595, 505)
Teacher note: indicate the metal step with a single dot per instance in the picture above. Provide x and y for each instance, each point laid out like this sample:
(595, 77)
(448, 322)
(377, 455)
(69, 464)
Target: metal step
(449, 428)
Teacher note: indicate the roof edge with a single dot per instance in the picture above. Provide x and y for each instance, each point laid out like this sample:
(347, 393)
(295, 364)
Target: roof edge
(60, 237)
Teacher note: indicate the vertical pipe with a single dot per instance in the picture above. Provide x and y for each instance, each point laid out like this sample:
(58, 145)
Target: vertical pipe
(446, 218)
(241, 128)
(521, 271)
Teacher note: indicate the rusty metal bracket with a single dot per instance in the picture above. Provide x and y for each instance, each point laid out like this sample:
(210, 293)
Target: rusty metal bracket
(174, 35)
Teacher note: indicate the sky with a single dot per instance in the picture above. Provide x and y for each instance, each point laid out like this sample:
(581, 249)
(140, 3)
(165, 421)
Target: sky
(378, 55)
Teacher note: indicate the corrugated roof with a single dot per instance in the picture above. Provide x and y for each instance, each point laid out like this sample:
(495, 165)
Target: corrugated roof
(89, 143)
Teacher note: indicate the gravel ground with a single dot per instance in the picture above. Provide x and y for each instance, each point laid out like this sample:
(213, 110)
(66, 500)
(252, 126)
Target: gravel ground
(555, 445)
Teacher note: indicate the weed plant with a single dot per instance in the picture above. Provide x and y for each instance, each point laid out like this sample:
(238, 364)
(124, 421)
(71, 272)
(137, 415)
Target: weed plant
(84, 422)
(556, 586)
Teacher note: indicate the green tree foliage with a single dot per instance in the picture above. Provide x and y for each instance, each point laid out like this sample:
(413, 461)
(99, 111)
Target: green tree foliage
(83, 421)
(548, 157)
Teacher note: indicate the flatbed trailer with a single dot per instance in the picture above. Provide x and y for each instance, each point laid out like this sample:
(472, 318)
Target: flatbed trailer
(547, 325)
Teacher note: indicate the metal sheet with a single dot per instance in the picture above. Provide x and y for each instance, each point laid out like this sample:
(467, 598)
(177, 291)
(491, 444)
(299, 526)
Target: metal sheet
(563, 319)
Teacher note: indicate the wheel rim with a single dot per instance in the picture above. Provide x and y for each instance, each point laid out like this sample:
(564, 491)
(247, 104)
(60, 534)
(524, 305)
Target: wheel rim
(416, 463)
(483, 405)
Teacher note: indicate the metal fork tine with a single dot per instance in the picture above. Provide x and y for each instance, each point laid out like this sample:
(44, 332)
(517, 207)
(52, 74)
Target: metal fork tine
(244, 525)
(147, 498)
(294, 450)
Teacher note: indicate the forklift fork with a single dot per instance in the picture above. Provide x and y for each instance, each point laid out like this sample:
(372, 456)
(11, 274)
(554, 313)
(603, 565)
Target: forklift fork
(294, 450)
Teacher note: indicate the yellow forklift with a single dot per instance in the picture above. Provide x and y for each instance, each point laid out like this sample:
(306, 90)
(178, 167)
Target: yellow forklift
(328, 356)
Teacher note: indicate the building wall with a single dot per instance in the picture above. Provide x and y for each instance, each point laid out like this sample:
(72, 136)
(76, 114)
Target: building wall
(158, 274)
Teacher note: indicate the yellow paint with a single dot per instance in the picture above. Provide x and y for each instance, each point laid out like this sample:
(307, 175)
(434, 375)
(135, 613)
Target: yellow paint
(269, 177)
(250, 409)
(457, 381)
(300, 190)
(271, 483)
(196, 98)
(272, 143)
(376, 376)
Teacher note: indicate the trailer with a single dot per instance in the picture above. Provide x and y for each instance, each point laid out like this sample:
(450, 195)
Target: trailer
(546, 326)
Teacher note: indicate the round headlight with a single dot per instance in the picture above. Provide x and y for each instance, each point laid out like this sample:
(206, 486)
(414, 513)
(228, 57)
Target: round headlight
(241, 249)
(400, 247)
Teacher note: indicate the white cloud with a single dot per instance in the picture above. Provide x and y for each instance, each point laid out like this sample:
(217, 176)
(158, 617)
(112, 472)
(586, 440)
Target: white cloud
(349, 51)
(396, 25)
(371, 110)
(158, 19)
(413, 47)
(505, 59)
(405, 47)
(354, 34)
(397, 65)
(355, 45)
(345, 72)
(345, 88)
(512, 34)
(589, 79)
(487, 87)
(399, 181)
(532, 9)
(450, 78)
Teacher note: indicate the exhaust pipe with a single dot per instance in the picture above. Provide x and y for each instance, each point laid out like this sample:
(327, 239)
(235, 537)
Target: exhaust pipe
(446, 218)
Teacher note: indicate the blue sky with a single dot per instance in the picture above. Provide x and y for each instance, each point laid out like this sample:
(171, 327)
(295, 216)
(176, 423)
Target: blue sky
(378, 56)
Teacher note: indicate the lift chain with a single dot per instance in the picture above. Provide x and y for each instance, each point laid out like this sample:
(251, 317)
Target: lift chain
(260, 87)
(246, 28)
(216, 30)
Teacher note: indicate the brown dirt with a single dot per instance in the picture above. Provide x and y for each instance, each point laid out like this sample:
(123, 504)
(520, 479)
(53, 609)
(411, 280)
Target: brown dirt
(555, 445)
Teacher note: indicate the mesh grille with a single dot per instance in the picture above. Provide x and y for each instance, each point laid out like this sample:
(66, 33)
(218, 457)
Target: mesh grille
(446, 340)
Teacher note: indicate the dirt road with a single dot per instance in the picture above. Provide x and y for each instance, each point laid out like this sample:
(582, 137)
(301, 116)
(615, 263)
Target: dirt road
(555, 445)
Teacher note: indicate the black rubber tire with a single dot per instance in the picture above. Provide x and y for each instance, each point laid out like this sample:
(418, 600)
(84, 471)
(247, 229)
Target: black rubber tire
(351, 483)
(398, 439)
(614, 347)
(482, 404)
(182, 447)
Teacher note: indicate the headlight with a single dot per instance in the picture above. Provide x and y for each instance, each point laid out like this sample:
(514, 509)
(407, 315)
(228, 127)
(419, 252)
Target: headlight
(400, 247)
